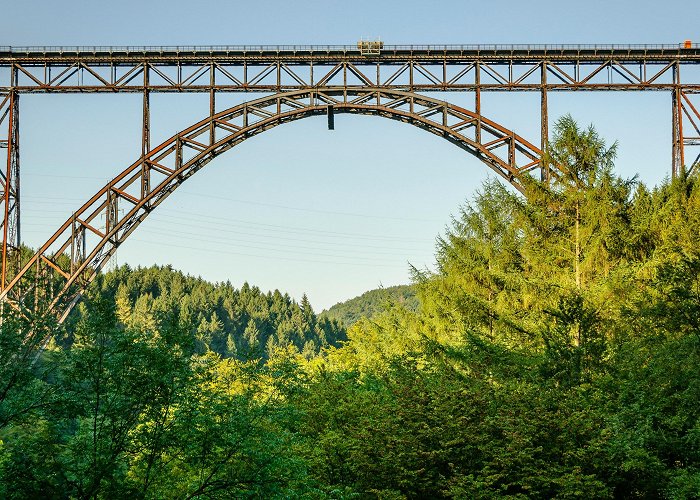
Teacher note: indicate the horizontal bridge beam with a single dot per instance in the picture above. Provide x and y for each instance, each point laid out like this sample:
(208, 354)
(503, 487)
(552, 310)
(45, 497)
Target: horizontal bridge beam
(320, 53)
(280, 69)
(426, 70)
(691, 89)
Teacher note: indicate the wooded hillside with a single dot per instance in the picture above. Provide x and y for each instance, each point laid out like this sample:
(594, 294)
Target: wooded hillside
(372, 302)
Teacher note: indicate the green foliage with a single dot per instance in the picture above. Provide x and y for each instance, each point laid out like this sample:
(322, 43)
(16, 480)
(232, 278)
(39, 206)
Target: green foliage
(244, 323)
(554, 355)
(142, 415)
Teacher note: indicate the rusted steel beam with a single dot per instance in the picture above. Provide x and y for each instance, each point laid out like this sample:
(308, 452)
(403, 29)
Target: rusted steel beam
(417, 87)
(146, 132)
(677, 160)
(544, 119)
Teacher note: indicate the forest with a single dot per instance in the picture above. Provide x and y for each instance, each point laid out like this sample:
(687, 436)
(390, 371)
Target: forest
(554, 353)
(371, 303)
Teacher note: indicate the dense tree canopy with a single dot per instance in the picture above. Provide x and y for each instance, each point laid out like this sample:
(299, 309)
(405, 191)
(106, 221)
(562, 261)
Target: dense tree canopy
(231, 322)
(555, 354)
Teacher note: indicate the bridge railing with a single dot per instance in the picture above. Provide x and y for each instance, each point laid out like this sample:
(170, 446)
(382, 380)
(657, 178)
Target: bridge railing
(56, 49)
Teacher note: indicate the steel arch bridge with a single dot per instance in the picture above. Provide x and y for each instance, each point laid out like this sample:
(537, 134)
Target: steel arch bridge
(70, 259)
(303, 81)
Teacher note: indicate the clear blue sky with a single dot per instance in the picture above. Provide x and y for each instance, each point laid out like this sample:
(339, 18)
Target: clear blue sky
(300, 208)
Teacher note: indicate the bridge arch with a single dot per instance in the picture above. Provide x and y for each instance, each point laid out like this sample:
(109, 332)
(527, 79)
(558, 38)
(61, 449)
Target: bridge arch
(64, 266)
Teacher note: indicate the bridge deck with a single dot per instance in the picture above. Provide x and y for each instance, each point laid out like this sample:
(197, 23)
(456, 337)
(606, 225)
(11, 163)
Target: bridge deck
(290, 67)
(323, 53)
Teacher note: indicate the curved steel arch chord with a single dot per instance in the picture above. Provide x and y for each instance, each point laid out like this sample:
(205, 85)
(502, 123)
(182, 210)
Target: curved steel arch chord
(64, 266)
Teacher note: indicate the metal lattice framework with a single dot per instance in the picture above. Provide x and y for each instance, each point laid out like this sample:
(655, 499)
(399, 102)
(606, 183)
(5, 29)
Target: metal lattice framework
(305, 80)
(70, 259)
(416, 68)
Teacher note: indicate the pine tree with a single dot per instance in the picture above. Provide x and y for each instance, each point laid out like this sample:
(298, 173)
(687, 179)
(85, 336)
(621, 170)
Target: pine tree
(231, 349)
(584, 164)
(252, 335)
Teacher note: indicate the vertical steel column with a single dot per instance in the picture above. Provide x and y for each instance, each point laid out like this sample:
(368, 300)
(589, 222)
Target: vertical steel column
(146, 134)
(9, 184)
(477, 100)
(212, 103)
(544, 122)
(677, 161)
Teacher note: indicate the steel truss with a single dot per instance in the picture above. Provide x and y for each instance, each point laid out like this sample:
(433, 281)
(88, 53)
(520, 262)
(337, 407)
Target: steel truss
(305, 81)
(70, 259)
(103, 69)
(473, 68)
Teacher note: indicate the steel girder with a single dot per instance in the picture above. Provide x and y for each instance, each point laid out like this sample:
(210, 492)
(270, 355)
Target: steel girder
(412, 68)
(277, 73)
(71, 258)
